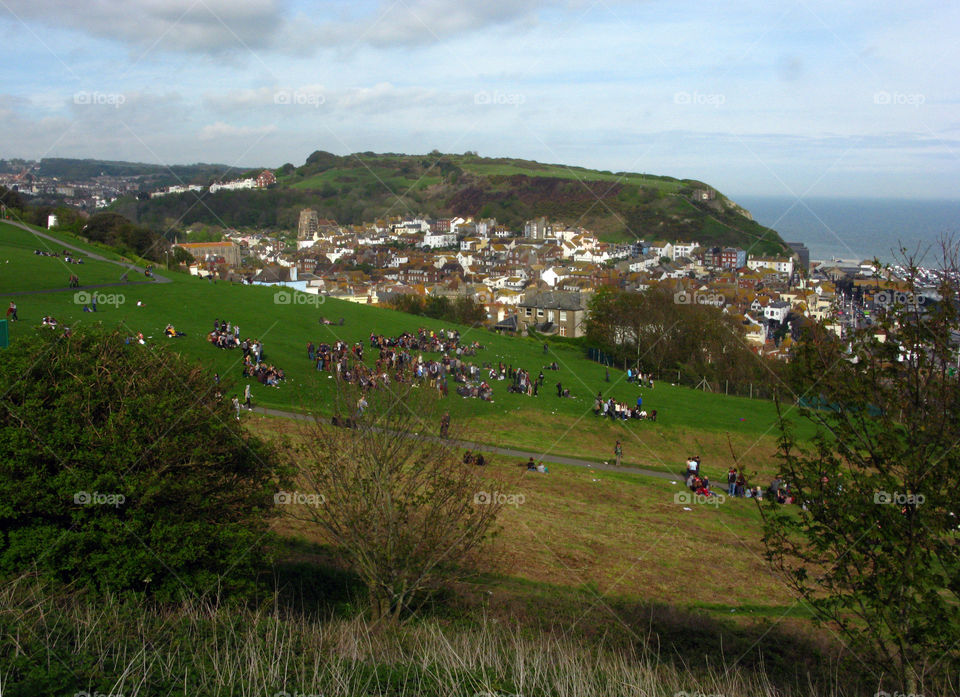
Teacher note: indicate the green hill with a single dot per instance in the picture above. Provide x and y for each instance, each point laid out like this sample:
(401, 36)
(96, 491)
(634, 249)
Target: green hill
(357, 188)
(689, 420)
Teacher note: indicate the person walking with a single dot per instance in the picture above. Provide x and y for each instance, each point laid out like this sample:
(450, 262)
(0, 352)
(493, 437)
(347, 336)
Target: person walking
(12, 311)
(618, 451)
(444, 424)
(246, 397)
(236, 405)
(559, 390)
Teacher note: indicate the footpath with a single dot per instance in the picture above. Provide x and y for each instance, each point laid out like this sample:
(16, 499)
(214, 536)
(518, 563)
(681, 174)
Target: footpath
(510, 452)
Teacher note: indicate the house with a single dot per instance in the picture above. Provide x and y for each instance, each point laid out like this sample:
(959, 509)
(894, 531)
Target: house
(226, 250)
(729, 257)
(553, 312)
(776, 311)
(266, 178)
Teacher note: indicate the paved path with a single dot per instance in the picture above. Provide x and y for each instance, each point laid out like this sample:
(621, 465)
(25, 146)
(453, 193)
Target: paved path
(511, 452)
(93, 255)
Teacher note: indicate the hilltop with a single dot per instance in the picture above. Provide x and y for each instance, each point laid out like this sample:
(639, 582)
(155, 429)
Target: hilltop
(362, 187)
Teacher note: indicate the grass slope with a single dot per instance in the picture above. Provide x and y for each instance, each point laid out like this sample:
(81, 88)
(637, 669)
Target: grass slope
(689, 421)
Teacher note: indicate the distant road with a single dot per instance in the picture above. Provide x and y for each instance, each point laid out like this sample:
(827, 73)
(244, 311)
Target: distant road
(93, 255)
(510, 452)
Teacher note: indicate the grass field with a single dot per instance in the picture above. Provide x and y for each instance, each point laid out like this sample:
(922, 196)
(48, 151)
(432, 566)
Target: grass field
(689, 421)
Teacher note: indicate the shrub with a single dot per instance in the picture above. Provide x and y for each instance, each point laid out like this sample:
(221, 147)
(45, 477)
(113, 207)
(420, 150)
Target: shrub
(120, 470)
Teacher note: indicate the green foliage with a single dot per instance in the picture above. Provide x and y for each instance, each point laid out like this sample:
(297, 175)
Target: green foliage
(874, 549)
(120, 470)
(462, 310)
(654, 331)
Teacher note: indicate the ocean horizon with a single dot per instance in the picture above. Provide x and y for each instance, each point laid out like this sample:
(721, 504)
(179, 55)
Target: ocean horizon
(859, 228)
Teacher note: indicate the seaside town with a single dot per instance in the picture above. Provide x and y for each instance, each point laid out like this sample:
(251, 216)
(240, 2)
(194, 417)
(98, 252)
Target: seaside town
(541, 277)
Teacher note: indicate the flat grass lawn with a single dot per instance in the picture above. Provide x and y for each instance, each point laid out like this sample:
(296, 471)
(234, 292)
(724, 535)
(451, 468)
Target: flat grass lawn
(689, 421)
(22, 270)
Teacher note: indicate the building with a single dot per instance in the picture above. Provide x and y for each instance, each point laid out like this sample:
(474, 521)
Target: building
(308, 225)
(729, 257)
(538, 229)
(553, 312)
(803, 256)
(776, 311)
(266, 178)
(225, 252)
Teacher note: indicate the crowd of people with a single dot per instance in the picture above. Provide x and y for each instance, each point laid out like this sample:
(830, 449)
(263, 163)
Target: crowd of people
(400, 359)
(226, 335)
(621, 410)
(66, 256)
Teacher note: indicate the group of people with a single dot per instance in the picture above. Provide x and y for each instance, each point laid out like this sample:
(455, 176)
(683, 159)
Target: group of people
(67, 257)
(224, 335)
(401, 360)
(534, 466)
(641, 379)
(621, 410)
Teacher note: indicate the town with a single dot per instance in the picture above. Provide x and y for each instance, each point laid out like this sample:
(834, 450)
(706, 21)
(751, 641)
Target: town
(539, 278)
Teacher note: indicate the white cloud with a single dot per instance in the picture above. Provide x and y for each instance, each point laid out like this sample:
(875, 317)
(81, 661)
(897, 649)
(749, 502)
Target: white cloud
(226, 130)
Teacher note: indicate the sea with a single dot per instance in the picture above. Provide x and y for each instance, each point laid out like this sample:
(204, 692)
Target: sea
(855, 229)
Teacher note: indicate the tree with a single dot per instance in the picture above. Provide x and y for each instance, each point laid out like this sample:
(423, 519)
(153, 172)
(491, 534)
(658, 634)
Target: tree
(873, 549)
(120, 470)
(396, 500)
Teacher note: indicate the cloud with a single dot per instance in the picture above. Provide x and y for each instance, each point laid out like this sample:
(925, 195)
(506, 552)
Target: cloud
(195, 26)
(226, 130)
(233, 26)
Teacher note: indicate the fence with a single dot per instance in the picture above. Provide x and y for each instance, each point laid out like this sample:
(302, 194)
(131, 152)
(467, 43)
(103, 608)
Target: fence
(678, 377)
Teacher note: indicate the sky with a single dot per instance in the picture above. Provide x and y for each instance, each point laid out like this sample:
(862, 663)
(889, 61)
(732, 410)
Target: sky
(787, 98)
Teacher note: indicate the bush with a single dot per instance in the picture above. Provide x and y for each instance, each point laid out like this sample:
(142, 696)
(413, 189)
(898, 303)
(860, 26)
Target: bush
(120, 470)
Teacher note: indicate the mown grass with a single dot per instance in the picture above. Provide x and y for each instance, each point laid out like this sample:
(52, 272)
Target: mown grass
(689, 421)
(21, 269)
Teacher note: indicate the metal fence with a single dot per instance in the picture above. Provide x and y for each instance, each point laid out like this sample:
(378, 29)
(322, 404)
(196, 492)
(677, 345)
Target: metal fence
(678, 377)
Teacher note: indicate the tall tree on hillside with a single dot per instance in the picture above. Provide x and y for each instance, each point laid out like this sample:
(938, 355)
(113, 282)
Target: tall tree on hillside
(874, 548)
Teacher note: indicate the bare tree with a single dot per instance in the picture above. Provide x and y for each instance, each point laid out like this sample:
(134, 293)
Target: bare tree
(392, 495)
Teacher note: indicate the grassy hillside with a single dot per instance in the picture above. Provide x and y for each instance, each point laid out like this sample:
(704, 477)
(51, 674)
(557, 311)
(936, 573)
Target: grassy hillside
(689, 421)
(620, 206)
(606, 557)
